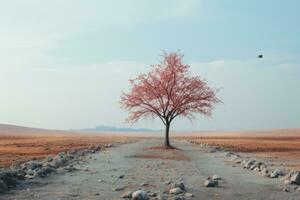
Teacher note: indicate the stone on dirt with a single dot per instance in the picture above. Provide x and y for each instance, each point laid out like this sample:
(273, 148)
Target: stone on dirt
(287, 182)
(70, 168)
(29, 176)
(40, 173)
(265, 172)
(140, 195)
(188, 194)
(249, 164)
(167, 182)
(119, 188)
(210, 183)
(295, 178)
(276, 173)
(178, 198)
(30, 172)
(127, 194)
(32, 165)
(57, 162)
(109, 145)
(152, 194)
(175, 191)
(285, 189)
(48, 169)
(179, 185)
(49, 159)
(144, 184)
(216, 177)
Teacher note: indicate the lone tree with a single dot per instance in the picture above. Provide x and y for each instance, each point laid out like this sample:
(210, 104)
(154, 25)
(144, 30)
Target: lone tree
(168, 91)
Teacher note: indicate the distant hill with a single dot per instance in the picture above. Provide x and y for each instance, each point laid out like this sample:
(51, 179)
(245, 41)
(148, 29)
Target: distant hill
(117, 129)
(6, 129)
(13, 128)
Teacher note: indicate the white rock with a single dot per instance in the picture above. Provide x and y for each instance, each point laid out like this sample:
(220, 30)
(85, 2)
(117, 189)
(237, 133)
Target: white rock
(287, 182)
(127, 194)
(179, 185)
(188, 194)
(210, 183)
(29, 176)
(216, 177)
(295, 178)
(140, 195)
(176, 190)
(249, 164)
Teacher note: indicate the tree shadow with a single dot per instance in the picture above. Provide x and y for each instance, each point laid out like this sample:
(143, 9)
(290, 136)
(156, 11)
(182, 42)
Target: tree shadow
(163, 147)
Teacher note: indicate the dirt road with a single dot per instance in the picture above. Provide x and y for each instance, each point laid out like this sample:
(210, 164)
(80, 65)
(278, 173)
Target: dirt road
(143, 165)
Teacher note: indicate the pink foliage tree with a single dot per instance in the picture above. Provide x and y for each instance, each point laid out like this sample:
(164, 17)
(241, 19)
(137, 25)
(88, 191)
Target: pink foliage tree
(168, 91)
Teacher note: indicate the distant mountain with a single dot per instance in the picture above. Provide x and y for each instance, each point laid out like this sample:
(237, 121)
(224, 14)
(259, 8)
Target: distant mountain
(116, 129)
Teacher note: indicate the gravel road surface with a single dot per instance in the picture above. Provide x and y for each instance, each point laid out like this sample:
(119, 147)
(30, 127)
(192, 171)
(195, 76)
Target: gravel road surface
(143, 165)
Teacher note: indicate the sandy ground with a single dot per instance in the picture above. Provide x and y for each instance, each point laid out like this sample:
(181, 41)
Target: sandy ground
(16, 147)
(279, 151)
(143, 162)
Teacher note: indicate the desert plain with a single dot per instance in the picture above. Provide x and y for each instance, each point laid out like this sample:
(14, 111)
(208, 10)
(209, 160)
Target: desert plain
(138, 162)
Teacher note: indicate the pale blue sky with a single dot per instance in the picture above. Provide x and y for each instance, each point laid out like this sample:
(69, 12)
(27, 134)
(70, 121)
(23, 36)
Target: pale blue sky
(63, 64)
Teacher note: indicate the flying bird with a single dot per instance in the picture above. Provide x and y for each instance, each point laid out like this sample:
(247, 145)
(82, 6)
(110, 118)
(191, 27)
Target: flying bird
(260, 56)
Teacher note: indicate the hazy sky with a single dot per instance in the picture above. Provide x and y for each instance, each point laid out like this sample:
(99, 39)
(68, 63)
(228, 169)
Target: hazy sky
(63, 64)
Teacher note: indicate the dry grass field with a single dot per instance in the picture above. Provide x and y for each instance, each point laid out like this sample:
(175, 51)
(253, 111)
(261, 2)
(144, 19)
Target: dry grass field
(283, 144)
(21, 148)
(20, 143)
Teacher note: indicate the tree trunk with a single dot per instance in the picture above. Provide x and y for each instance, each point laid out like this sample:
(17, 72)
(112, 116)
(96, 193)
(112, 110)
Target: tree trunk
(167, 142)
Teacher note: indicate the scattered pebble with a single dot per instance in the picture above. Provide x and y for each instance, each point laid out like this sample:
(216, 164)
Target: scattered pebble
(178, 198)
(127, 194)
(179, 185)
(140, 195)
(188, 194)
(216, 177)
(152, 194)
(175, 191)
(210, 183)
(144, 184)
(286, 189)
(119, 188)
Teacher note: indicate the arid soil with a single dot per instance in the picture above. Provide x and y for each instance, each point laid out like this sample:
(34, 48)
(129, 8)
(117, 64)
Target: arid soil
(110, 173)
(279, 146)
(17, 148)
(145, 164)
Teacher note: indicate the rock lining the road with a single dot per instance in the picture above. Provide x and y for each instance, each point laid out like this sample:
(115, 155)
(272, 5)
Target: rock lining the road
(17, 174)
(290, 177)
(153, 177)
